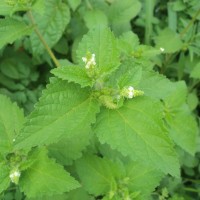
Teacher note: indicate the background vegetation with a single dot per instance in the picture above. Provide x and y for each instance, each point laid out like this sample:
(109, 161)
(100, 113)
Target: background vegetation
(39, 35)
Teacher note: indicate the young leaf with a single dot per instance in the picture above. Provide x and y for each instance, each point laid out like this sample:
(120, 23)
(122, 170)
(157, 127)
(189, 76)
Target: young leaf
(137, 130)
(63, 109)
(52, 178)
(4, 177)
(73, 74)
(96, 174)
(169, 41)
(102, 43)
(11, 30)
(51, 24)
(128, 74)
(11, 121)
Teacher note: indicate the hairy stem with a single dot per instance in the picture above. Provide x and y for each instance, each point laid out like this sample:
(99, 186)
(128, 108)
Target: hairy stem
(37, 31)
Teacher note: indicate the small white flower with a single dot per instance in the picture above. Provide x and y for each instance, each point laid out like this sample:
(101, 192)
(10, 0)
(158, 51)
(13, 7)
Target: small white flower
(130, 95)
(162, 49)
(84, 59)
(130, 92)
(131, 89)
(14, 176)
(89, 61)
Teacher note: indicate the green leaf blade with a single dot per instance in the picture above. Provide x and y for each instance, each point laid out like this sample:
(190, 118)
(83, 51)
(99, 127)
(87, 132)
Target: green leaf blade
(169, 41)
(63, 109)
(11, 121)
(51, 25)
(120, 21)
(73, 74)
(4, 177)
(11, 30)
(52, 178)
(137, 130)
(92, 169)
(196, 72)
(139, 174)
(183, 129)
(103, 44)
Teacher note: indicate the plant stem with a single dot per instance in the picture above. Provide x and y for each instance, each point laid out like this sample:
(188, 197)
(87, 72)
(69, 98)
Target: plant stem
(149, 6)
(37, 31)
(190, 24)
(191, 190)
(171, 56)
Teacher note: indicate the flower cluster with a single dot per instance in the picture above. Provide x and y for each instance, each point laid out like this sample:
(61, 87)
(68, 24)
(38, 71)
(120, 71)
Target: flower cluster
(89, 61)
(129, 92)
(14, 176)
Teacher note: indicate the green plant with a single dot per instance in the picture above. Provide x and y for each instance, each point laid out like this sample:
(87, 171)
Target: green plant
(107, 126)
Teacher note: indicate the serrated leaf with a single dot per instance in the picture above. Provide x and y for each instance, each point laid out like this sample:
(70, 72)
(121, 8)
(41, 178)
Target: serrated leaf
(95, 18)
(51, 24)
(120, 14)
(103, 44)
(4, 177)
(95, 174)
(183, 129)
(182, 125)
(11, 30)
(74, 74)
(137, 130)
(139, 174)
(177, 96)
(69, 149)
(128, 74)
(52, 178)
(195, 73)
(169, 41)
(63, 109)
(11, 121)
(155, 85)
(128, 41)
